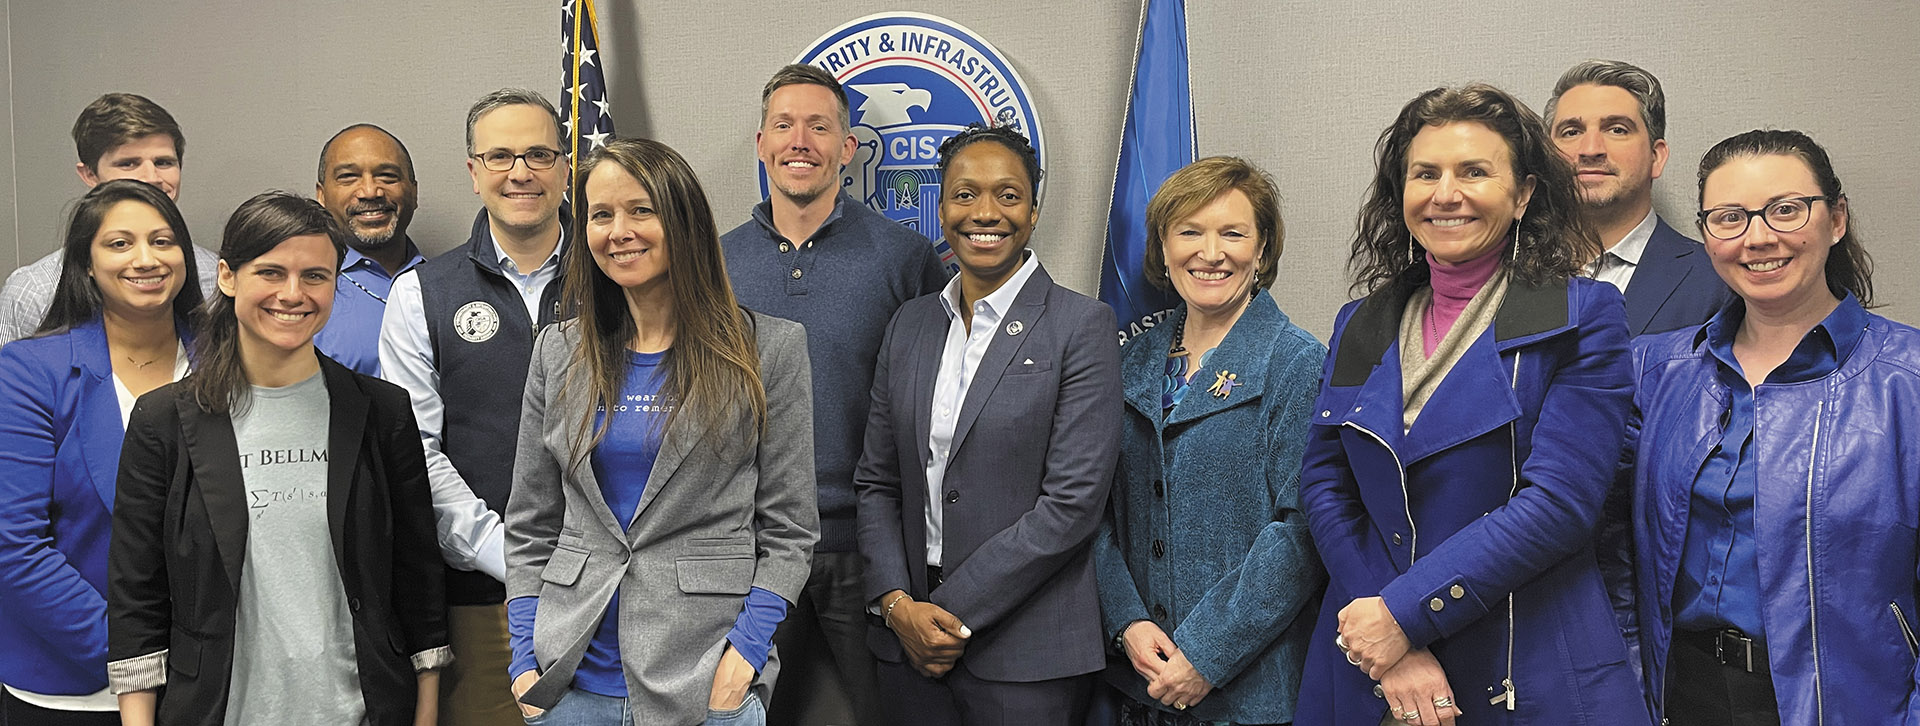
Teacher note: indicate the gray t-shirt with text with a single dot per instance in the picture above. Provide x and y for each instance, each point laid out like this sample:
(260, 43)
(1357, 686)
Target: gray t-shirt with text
(293, 657)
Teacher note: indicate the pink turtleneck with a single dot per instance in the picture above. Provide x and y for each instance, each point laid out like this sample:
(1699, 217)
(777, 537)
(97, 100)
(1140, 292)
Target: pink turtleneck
(1453, 287)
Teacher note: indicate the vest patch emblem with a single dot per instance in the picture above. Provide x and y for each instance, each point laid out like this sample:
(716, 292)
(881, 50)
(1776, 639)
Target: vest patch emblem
(476, 322)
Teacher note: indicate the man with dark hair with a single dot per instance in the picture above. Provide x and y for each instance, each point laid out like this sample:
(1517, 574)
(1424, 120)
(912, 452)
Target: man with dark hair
(118, 136)
(813, 254)
(366, 180)
(458, 335)
(1609, 120)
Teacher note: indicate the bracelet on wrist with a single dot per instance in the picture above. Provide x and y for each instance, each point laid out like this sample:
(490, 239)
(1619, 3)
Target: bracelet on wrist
(886, 614)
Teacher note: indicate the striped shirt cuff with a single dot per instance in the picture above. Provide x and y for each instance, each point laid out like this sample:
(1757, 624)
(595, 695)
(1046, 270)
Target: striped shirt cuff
(143, 673)
(432, 659)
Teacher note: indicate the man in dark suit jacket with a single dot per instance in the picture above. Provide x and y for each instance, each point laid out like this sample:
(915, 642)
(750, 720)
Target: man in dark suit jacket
(1610, 121)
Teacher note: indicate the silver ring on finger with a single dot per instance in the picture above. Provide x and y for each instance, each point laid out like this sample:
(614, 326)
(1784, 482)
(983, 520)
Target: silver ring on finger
(1443, 702)
(1340, 641)
(1411, 715)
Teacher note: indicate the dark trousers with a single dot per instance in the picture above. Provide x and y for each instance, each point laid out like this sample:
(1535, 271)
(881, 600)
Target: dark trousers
(1703, 692)
(824, 661)
(960, 699)
(20, 713)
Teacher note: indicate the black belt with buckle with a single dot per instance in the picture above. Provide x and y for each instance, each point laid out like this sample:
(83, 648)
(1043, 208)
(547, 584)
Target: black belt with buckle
(934, 577)
(1729, 646)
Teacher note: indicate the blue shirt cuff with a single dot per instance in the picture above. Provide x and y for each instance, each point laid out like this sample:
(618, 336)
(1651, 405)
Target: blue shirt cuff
(752, 633)
(520, 612)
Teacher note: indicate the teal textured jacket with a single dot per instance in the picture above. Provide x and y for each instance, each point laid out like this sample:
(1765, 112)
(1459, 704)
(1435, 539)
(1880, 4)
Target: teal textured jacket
(1206, 536)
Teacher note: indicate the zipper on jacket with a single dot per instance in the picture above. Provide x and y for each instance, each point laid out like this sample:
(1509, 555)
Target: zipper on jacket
(1813, 608)
(1405, 499)
(1512, 696)
(1906, 631)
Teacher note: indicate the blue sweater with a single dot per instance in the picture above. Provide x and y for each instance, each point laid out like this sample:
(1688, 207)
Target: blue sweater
(853, 273)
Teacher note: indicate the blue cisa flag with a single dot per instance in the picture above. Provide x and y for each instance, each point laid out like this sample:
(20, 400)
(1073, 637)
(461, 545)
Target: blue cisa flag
(586, 122)
(1156, 141)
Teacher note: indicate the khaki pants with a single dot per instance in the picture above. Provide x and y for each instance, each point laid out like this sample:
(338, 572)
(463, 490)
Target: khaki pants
(475, 690)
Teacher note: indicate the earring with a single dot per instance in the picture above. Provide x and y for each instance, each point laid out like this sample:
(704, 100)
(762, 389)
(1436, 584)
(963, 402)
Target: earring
(1513, 255)
(1409, 250)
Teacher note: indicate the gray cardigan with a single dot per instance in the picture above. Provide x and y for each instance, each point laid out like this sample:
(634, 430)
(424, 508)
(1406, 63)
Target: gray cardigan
(725, 510)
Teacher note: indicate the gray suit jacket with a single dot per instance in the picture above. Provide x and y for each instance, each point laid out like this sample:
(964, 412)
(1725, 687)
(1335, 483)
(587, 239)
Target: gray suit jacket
(725, 510)
(1026, 484)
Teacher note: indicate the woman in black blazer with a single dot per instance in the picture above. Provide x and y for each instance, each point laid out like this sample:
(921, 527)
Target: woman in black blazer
(273, 556)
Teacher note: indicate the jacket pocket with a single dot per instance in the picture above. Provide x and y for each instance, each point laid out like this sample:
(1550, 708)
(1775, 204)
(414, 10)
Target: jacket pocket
(1906, 629)
(563, 566)
(183, 653)
(715, 576)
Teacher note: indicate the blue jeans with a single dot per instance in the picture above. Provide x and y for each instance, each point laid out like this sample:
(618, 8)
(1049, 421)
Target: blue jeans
(584, 708)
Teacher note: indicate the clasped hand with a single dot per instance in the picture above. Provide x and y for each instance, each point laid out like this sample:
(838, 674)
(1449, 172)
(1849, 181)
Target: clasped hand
(932, 637)
(1171, 678)
(1372, 639)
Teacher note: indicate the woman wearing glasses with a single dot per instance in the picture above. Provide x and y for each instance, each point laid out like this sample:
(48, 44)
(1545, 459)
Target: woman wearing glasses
(1776, 472)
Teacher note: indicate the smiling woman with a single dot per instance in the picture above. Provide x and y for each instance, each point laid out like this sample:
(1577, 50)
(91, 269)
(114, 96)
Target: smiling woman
(1460, 449)
(1014, 383)
(121, 309)
(262, 603)
(1783, 592)
(664, 429)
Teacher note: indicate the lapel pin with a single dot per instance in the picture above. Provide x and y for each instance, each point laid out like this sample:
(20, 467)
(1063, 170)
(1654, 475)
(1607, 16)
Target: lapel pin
(1015, 327)
(1223, 384)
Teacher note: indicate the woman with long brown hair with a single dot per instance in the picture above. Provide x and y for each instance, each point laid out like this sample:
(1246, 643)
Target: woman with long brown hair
(662, 513)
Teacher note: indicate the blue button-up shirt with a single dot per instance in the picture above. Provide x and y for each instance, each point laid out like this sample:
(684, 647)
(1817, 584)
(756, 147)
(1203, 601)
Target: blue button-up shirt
(352, 335)
(1719, 579)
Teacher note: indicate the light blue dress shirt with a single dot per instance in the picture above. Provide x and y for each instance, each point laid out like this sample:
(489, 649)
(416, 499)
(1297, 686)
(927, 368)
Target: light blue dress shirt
(472, 537)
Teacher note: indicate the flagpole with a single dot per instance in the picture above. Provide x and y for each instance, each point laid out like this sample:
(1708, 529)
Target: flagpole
(573, 92)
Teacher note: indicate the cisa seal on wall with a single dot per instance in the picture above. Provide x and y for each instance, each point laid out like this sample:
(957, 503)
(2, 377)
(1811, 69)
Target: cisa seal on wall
(912, 81)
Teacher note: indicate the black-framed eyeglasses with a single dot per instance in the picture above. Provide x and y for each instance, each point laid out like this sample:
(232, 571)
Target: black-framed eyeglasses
(538, 158)
(1783, 215)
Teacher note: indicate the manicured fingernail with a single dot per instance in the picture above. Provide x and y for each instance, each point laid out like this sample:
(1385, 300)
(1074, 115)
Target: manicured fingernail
(966, 632)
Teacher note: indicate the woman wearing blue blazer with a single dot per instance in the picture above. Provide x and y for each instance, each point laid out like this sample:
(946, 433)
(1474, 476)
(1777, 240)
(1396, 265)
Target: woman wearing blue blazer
(114, 331)
(1209, 585)
(1465, 439)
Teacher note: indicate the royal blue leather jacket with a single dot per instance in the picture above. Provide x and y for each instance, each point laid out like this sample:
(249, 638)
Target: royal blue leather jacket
(1837, 503)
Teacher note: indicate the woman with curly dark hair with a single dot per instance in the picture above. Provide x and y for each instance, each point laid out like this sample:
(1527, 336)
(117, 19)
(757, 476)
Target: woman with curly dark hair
(1464, 439)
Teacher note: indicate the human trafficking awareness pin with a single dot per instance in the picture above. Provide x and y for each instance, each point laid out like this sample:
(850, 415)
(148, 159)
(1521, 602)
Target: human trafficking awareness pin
(1015, 327)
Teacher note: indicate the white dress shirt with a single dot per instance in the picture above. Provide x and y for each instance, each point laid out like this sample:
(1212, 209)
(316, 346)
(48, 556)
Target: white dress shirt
(959, 360)
(1616, 265)
(471, 536)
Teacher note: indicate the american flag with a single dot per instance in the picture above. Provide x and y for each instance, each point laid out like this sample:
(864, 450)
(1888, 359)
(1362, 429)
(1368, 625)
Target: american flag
(583, 95)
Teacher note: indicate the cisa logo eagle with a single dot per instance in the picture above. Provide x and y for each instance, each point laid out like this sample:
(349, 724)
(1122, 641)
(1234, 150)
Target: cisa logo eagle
(912, 81)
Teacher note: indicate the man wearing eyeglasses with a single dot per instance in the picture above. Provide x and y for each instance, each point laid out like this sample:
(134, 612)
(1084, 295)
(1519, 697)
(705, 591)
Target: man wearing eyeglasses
(458, 334)
(1609, 119)
(366, 180)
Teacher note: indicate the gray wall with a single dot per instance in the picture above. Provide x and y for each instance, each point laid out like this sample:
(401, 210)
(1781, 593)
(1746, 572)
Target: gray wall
(1302, 88)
